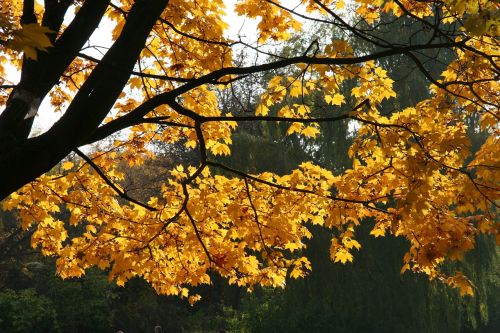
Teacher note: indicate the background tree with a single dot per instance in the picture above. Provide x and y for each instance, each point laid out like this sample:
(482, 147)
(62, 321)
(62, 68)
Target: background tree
(411, 171)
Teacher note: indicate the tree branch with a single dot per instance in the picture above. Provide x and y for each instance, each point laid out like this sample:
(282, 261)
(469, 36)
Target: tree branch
(121, 194)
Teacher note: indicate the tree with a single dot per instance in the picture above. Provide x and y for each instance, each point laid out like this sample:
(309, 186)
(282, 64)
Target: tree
(157, 85)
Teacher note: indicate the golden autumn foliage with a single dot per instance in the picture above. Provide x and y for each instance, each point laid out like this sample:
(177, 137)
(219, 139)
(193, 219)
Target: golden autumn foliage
(412, 173)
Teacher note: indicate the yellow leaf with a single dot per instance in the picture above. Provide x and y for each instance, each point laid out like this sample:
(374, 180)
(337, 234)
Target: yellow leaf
(67, 165)
(221, 149)
(274, 82)
(91, 228)
(349, 243)
(303, 109)
(343, 256)
(262, 110)
(184, 292)
(296, 89)
(121, 280)
(31, 38)
(336, 99)
(378, 232)
(296, 273)
(292, 246)
(294, 127)
(193, 299)
(191, 144)
(310, 131)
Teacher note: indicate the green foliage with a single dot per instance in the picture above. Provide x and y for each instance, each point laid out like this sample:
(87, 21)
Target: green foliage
(26, 312)
(82, 305)
(137, 308)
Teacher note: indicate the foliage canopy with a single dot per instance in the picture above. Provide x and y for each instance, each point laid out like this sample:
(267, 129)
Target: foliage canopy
(159, 84)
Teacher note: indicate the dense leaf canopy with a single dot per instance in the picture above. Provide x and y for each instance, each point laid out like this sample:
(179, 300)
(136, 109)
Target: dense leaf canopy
(157, 86)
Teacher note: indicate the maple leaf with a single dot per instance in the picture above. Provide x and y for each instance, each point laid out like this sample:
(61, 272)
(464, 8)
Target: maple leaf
(310, 131)
(343, 256)
(336, 99)
(262, 110)
(30, 39)
(67, 165)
